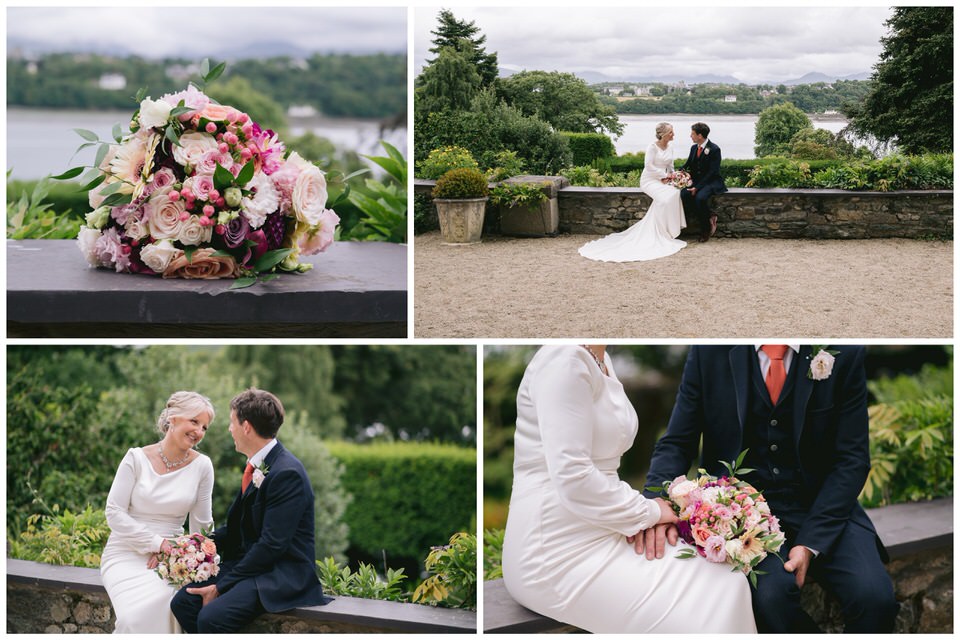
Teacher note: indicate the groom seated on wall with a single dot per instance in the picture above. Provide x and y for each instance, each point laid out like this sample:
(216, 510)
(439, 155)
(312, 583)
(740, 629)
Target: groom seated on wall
(801, 412)
(703, 165)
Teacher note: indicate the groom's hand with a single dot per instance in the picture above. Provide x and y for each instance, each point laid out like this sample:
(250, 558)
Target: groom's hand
(798, 561)
(207, 593)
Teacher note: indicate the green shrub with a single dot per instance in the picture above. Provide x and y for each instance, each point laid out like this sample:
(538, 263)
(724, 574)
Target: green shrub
(911, 438)
(460, 184)
(443, 160)
(627, 162)
(424, 214)
(66, 538)
(362, 583)
(453, 579)
(406, 497)
(35, 214)
(518, 194)
(779, 174)
(506, 164)
(492, 554)
(587, 147)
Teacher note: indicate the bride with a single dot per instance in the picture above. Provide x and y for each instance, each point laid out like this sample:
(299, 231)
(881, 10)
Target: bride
(567, 550)
(655, 235)
(155, 488)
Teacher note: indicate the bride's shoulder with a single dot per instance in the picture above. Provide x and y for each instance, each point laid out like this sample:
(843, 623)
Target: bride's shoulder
(562, 354)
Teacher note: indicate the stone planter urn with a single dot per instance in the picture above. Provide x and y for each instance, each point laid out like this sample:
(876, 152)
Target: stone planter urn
(461, 221)
(538, 219)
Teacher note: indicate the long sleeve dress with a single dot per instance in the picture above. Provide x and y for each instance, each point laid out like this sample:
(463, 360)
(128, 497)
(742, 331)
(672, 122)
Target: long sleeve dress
(655, 235)
(565, 552)
(144, 508)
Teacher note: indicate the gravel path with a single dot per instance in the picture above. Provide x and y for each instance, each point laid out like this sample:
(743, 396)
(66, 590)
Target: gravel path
(541, 288)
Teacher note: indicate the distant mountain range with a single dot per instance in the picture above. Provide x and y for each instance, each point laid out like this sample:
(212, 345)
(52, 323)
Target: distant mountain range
(594, 77)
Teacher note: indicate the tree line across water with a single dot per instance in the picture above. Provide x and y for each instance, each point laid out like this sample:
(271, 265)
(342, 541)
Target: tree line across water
(336, 85)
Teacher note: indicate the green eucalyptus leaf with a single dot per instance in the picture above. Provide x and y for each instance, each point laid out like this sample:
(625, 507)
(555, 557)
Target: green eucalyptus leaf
(188, 251)
(86, 134)
(179, 111)
(101, 155)
(171, 135)
(214, 73)
(204, 67)
(93, 183)
(141, 94)
(117, 132)
(68, 174)
(117, 199)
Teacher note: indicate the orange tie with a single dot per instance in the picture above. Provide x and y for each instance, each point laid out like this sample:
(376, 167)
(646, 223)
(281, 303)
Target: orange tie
(247, 477)
(699, 150)
(777, 374)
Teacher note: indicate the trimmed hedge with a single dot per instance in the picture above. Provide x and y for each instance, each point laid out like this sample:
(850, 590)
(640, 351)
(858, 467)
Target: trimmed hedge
(407, 497)
(587, 147)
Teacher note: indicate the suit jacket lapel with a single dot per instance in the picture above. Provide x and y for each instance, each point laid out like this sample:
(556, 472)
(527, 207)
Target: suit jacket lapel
(802, 388)
(740, 370)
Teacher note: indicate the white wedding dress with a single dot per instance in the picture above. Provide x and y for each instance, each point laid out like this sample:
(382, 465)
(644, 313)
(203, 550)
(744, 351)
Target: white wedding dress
(565, 552)
(143, 508)
(655, 235)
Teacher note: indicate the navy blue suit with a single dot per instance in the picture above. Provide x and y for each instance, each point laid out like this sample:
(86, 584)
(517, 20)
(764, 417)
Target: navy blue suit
(812, 455)
(267, 553)
(705, 175)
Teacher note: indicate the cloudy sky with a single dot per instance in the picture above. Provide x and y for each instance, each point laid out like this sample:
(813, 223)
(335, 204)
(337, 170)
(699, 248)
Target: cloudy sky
(147, 31)
(753, 44)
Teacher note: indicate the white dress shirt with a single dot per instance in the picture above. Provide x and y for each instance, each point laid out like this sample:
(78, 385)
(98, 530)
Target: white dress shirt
(257, 458)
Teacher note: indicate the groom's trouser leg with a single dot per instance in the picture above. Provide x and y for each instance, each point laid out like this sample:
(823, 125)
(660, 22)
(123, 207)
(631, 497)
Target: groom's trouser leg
(186, 606)
(776, 600)
(702, 203)
(231, 611)
(689, 208)
(854, 574)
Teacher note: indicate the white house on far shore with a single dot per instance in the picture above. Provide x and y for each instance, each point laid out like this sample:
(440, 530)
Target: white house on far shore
(112, 82)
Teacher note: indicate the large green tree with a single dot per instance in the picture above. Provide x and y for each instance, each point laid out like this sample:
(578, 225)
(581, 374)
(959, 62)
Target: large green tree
(450, 82)
(911, 103)
(463, 35)
(562, 99)
(776, 126)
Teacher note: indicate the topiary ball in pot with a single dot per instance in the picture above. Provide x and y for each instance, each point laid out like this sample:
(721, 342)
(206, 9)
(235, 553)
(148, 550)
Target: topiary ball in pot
(460, 196)
(462, 183)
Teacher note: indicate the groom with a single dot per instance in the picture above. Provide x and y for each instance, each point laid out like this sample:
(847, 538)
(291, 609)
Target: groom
(806, 430)
(703, 165)
(267, 544)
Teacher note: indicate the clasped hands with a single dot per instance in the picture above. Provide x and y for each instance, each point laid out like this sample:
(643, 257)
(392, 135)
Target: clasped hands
(207, 593)
(652, 543)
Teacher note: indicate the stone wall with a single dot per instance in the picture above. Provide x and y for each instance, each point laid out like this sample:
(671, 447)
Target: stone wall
(772, 213)
(32, 609)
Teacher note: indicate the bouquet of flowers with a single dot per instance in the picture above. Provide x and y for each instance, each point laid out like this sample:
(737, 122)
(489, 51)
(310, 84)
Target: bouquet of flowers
(725, 519)
(193, 559)
(679, 179)
(198, 189)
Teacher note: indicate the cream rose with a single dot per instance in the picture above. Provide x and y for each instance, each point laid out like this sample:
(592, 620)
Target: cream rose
(154, 113)
(136, 228)
(681, 491)
(193, 145)
(821, 366)
(87, 239)
(203, 266)
(193, 233)
(164, 216)
(157, 255)
(309, 195)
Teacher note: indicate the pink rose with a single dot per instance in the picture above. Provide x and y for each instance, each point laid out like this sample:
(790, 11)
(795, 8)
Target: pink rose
(317, 239)
(163, 216)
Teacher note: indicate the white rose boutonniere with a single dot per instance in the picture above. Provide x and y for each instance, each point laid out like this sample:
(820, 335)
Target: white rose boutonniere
(706, 151)
(259, 473)
(821, 362)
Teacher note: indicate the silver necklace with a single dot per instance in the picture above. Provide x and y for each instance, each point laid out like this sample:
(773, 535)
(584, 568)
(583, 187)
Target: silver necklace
(172, 465)
(600, 363)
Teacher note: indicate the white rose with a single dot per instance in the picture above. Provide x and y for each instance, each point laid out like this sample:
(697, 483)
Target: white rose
(681, 491)
(821, 366)
(193, 233)
(309, 199)
(258, 477)
(158, 255)
(193, 145)
(135, 228)
(164, 216)
(154, 113)
(87, 239)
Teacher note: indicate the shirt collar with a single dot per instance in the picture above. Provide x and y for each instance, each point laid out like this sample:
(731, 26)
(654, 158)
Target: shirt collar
(794, 347)
(257, 458)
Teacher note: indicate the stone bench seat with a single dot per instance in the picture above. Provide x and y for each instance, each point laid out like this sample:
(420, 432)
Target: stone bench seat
(26, 581)
(355, 289)
(907, 530)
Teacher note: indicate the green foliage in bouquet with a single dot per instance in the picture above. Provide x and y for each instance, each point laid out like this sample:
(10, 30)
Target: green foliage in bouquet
(444, 159)
(363, 583)
(911, 438)
(461, 184)
(453, 579)
(492, 554)
(406, 496)
(66, 538)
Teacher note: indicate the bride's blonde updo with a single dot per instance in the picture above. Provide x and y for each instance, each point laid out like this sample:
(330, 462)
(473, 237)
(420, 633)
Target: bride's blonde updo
(184, 404)
(662, 129)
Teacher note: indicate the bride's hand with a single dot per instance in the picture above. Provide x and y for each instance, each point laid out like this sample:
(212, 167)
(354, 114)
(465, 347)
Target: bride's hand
(652, 541)
(165, 547)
